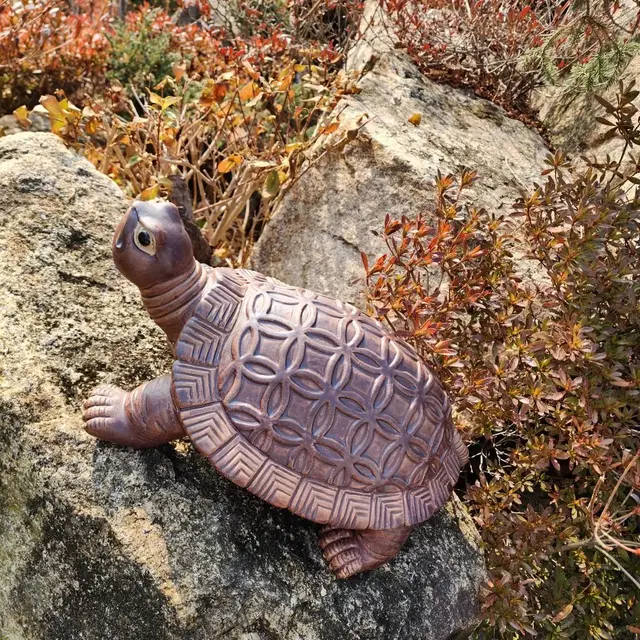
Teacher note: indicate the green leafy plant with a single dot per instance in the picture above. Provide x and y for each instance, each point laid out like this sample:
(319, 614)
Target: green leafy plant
(140, 50)
(590, 47)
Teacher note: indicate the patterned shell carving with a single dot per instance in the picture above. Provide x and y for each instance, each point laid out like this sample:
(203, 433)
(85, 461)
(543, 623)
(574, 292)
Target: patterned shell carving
(313, 405)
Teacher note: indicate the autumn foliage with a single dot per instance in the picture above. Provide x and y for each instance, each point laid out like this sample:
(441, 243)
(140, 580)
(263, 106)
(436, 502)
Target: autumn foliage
(236, 116)
(534, 328)
(503, 49)
(45, 47)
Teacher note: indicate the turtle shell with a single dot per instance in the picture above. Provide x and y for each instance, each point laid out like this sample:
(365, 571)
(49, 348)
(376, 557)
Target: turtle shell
(314, 406)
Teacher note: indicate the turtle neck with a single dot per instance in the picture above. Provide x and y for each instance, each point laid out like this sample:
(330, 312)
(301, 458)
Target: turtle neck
(170, 304)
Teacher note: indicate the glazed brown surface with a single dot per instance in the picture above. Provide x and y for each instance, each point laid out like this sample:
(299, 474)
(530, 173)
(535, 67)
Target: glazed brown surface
(313, 406)
(305, 401)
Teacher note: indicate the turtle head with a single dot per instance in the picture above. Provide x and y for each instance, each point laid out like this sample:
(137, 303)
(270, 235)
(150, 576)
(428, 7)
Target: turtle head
(151, 246)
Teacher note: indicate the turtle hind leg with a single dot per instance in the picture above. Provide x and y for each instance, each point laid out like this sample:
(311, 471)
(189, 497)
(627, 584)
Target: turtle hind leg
(349, 551)
(145, 417)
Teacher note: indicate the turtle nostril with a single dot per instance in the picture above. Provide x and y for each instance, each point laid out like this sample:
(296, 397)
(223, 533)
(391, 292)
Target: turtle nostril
(119, 243)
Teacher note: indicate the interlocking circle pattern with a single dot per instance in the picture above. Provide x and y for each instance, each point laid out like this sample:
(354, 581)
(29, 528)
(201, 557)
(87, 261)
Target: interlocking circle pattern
(326, 391)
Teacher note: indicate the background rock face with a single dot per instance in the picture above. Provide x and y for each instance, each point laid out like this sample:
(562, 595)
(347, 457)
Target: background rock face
(327, 218)
(570, 117)
(103, 542)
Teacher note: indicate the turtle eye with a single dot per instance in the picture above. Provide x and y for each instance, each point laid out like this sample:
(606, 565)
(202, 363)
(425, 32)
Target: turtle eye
(144, 240)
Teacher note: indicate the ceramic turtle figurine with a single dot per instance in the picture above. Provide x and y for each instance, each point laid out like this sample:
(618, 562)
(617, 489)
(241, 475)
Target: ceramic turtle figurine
(303, 400)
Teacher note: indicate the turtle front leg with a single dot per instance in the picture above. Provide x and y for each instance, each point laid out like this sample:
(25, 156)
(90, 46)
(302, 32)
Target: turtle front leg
(349, 551)
(145, 417)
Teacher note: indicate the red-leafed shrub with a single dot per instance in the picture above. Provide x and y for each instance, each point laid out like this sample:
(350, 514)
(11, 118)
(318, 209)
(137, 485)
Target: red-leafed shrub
(45, 46)
(545, 378)
(502, 49)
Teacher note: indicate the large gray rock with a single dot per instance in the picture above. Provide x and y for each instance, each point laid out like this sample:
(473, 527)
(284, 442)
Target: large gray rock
(330, 215)
(98, 541)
